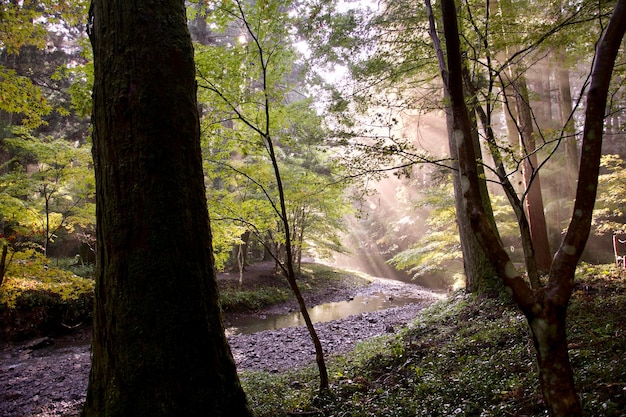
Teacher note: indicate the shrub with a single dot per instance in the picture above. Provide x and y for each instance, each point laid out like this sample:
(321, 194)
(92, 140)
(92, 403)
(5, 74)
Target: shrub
(37, 299)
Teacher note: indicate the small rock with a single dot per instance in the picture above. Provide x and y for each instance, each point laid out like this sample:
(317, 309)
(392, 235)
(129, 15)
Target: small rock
(39, 343)
(296, 384)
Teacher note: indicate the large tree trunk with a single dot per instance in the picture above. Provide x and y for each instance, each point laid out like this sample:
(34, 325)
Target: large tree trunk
(555, 372)
(480, 275)
(158, 347)
(545, 309)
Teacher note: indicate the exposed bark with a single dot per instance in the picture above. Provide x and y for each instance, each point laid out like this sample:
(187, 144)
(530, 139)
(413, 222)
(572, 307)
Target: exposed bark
(532, 182)
(159, 347)
(479, 273)
(509, 190)
(567, 121)
(3, 262)
(545, 309)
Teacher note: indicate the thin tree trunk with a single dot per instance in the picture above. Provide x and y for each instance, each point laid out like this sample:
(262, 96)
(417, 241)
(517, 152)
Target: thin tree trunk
(509, 190)
(532, 183)
(3, 262)
(290, 271)
(569, 132)
(287, 266)
(509, 84)
(300, 239)
(47, 225)
(242, 254)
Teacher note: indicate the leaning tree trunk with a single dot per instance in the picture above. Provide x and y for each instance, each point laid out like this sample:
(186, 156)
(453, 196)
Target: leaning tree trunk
(289, 270)
(158, 347)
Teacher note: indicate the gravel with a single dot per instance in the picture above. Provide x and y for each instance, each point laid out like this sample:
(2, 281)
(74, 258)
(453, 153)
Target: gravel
(48, 377)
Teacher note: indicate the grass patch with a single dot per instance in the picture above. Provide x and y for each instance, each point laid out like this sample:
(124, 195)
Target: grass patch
(267, 289)
(40, 296)
(84, 270)
(465, 356)
(238, 299)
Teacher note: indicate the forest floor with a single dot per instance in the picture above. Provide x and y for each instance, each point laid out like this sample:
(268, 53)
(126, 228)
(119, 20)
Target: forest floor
(47, 376)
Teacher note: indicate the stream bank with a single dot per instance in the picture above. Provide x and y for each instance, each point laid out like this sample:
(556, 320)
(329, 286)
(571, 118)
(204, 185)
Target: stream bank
(49, 378)
(275, 350)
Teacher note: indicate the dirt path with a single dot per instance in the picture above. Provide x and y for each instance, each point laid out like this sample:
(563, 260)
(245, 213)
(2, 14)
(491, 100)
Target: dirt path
(51, 379)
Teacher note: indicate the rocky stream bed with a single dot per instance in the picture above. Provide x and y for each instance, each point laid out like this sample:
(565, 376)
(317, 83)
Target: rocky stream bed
(47, 377)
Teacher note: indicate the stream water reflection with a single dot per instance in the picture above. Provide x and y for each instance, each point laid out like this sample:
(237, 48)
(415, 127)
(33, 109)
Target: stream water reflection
(320, 313)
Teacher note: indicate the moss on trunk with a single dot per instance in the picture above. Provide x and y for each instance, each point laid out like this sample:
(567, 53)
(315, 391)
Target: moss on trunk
(159, 347)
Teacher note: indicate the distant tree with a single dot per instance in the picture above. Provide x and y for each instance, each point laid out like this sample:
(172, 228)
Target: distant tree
(38, 38)
(158, 347)
(609, 214)
(545, 307)
(390, 83)
(45, 183)
(51, 182)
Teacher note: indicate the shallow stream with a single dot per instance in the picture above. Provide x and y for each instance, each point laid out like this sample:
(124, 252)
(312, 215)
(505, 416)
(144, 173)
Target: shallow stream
(321, 313)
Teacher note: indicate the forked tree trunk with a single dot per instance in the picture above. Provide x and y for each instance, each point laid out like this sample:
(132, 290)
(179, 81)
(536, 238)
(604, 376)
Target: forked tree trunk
(158, 346)
(545, 308)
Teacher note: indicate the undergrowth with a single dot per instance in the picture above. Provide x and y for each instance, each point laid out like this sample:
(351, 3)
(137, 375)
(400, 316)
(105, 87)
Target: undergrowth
(37, 298)
(40, 296)
(236, 299)
(313, 279)
(465, 356)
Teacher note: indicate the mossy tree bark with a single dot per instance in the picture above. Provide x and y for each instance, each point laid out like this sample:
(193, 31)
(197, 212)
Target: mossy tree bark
(480, 275)
(545, 307)
(159, 347)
